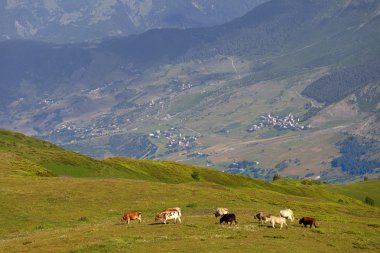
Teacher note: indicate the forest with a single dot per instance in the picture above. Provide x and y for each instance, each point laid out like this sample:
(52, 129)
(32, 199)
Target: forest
(339, 84)
(355, 156)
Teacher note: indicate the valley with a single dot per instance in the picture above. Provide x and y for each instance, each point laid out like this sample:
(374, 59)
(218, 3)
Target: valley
(223, 88)
(116, 106)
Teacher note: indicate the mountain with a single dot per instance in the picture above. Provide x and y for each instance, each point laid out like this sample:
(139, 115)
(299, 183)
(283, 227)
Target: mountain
(78, 206)
(286, 88)
(62, 21)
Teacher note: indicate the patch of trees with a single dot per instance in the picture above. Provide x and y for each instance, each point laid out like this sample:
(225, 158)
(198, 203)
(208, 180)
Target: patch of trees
(337, 85)
(281, 165)
(354, 155)
(242, 164)
(312, 111)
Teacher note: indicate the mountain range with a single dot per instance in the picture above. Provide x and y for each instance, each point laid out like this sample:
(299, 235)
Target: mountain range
(63, 21)
(291, 87)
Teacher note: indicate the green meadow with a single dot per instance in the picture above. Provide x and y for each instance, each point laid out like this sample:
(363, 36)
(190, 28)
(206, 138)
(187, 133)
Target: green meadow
(53, 200)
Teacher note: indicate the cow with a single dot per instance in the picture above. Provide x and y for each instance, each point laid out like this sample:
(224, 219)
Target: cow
(277, 220)
(228, 218)
(169, 214)
(307, 221)
(131, 216)
(287, 214)
(261, 216)
(220, 211)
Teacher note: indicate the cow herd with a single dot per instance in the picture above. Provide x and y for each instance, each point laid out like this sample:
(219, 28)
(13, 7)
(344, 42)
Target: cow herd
(225, 217)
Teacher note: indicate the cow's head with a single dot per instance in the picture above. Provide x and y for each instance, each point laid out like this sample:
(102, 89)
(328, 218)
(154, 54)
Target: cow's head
(160, 217)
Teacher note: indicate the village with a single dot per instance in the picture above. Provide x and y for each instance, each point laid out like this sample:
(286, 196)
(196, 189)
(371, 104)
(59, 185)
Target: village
(175, 139)
(288, 122)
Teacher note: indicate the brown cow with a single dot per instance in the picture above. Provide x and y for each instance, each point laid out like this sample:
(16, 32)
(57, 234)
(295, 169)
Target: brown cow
(131, 216)
(261, 216)
(308, 221)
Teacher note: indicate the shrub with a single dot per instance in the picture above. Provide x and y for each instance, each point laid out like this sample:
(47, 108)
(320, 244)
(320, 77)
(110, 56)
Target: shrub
(369, 201)
(195, 175)
(310, 182)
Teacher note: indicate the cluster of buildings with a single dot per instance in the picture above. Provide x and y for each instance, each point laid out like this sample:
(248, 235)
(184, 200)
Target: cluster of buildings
(177, 85)
(175, 139)
(288, 122)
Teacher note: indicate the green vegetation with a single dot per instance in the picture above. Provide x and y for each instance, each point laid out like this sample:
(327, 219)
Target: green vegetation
(359, 190)
(354, 152)
(333, 87)
(81, 213)
(276, 176)
(369, 201)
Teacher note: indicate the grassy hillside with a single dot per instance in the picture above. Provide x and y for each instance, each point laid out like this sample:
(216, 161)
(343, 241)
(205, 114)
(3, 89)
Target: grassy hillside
(359, 190)
(23, 155)
(82, 214)
(29, 156)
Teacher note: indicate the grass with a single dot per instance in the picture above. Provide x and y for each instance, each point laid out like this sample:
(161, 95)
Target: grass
(360, 190)
(63, 214)
(80, 210)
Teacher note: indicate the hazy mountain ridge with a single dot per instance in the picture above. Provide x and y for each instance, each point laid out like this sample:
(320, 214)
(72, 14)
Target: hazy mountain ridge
(211, 85)
(74, 21)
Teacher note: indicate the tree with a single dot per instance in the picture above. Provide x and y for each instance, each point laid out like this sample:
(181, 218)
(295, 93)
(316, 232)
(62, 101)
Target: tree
(276, 177)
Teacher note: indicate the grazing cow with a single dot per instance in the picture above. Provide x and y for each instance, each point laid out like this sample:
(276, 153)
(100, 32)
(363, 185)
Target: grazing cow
(169, 214)
(277, 220)
(261, 216)
(220, 211)
(131, 216)
(307, 221)
(227, 218)
(173, 209)
(287, 214)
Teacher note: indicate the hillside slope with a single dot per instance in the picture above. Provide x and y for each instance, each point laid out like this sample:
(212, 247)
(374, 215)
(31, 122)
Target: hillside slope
(68, 213)
(23, 155)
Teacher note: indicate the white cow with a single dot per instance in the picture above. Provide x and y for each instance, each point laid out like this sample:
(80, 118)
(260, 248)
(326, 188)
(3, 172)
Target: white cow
(287, 214)
(220, 211)
(277, 220)
(169, 214)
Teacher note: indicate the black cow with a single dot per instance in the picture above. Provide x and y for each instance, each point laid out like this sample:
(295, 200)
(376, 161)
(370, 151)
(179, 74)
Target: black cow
(227, 218)
(307, 221)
